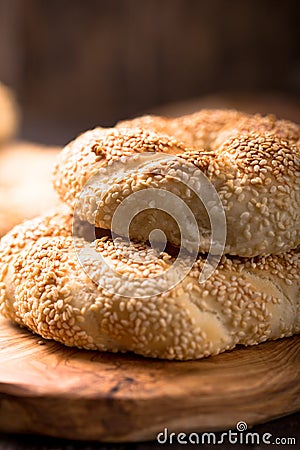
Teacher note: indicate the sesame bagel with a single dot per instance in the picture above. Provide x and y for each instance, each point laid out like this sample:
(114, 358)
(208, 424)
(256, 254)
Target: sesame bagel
(209, 128)
(253, 162)
(44, 288)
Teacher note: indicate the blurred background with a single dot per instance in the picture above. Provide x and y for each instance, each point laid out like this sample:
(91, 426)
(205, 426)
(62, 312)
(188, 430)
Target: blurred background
(76, 64)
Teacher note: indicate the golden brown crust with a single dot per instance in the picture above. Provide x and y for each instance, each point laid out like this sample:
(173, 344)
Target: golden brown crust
(209, 128)
(255, 172)
(43, 287)
(253, 163)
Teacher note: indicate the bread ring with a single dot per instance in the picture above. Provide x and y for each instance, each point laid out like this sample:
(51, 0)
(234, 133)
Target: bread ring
(256, 176)
(43, 287)
(211, 128)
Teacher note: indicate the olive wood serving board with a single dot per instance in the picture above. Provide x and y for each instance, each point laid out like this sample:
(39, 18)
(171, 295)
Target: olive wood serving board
(50, 389)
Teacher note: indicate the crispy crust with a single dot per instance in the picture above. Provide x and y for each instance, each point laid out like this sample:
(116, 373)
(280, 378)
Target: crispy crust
(252, 161)
(43, 287)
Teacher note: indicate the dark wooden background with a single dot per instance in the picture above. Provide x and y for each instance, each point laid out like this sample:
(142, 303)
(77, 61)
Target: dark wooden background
(77, 63)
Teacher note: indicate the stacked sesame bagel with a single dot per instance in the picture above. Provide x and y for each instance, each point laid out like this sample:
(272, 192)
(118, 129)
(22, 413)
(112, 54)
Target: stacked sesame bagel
(100, 292)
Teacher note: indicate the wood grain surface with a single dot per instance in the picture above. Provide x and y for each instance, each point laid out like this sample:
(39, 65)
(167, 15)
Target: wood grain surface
(49, 389)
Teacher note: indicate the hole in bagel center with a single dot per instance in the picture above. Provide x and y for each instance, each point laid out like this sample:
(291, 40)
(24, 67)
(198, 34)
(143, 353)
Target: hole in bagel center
(158, 240)
(151, 229)
(154, 226)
